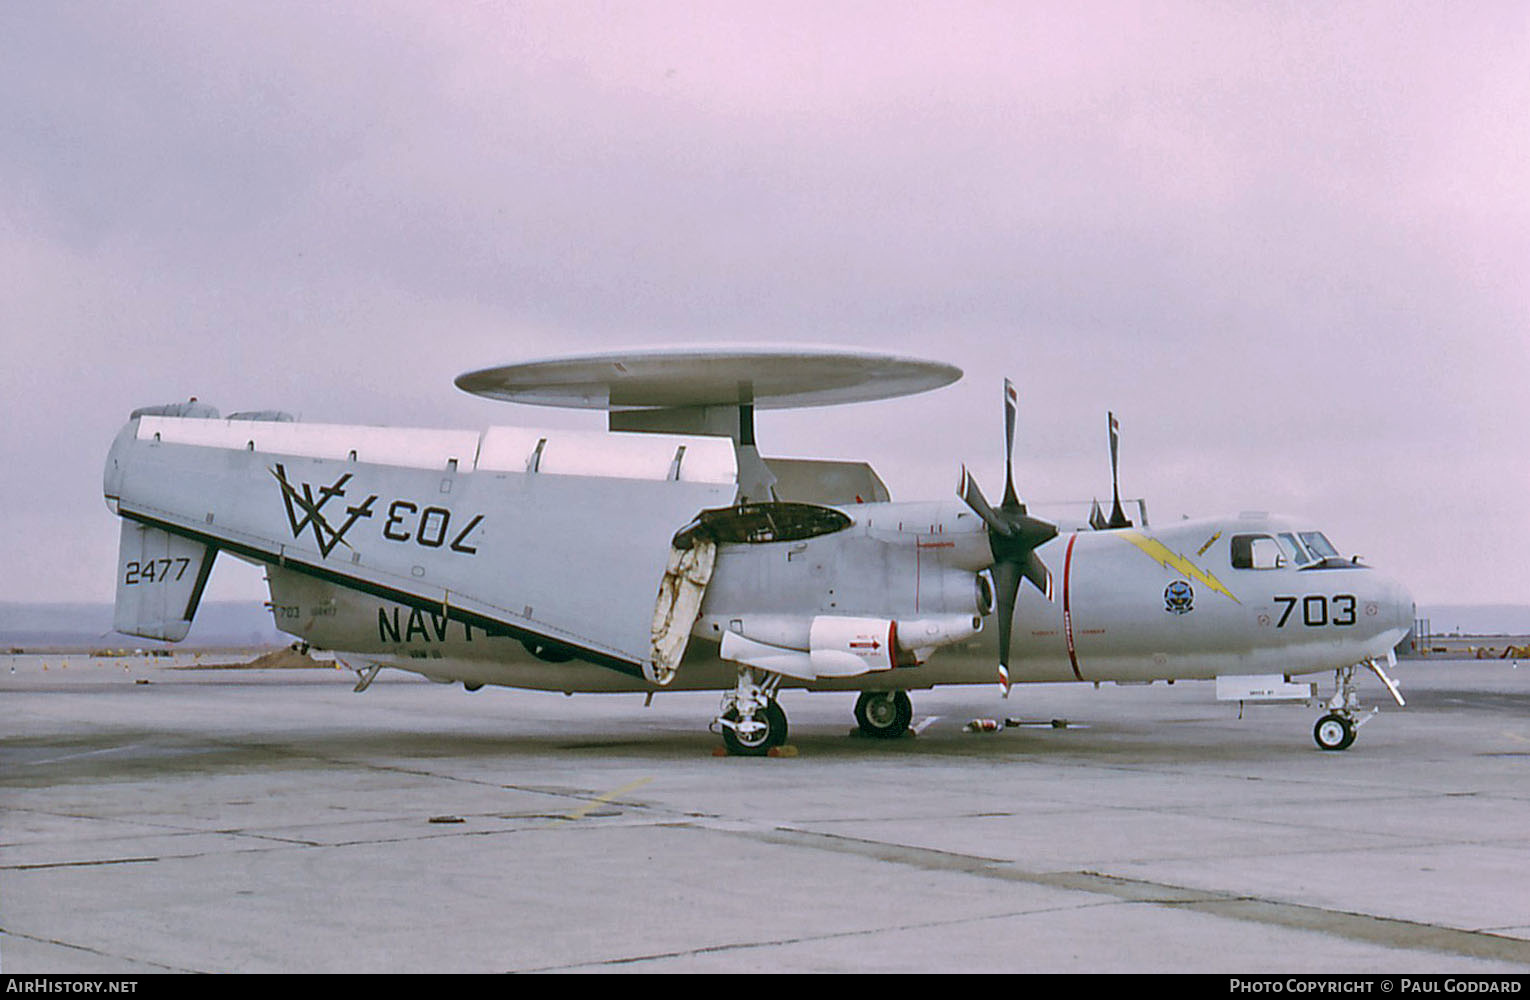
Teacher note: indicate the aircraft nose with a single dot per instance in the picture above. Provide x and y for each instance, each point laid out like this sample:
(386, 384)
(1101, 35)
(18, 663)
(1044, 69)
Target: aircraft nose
(1397, 606)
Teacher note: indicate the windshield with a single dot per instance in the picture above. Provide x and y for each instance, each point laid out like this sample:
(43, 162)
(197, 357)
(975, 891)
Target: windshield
(1294, 549)
(1318, 543)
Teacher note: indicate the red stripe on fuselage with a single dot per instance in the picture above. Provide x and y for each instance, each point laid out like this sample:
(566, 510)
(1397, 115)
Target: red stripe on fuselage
(1067, 606)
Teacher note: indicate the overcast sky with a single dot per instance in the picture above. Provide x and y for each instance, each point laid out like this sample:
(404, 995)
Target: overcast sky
(1289, 244)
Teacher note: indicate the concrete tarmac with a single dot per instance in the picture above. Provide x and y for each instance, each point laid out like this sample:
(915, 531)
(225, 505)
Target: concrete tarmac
(275, 821)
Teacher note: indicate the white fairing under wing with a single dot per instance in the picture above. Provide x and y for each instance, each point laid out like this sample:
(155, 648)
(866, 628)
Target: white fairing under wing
(160, 579)
(558, 537)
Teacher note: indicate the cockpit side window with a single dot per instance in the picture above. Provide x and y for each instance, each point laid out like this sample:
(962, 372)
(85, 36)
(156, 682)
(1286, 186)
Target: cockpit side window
(1256, 552)
(1294, 549)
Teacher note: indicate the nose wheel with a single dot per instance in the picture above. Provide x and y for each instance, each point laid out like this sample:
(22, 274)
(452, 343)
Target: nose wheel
(1334, 732)
(754, 737)
(752, 723)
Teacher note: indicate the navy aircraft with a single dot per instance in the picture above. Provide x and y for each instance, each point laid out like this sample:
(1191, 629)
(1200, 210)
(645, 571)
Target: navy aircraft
(668, 553)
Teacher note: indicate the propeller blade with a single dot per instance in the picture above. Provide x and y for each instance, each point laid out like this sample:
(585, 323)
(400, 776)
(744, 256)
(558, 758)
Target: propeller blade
(1007, 576)
(1034, 570)
(973, 497)
(1118, 518)
(1011, 404)
(1115, 441)
(1006, 585)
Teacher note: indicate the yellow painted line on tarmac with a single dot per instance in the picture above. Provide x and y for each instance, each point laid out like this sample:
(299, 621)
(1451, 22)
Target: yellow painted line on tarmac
(599, 801)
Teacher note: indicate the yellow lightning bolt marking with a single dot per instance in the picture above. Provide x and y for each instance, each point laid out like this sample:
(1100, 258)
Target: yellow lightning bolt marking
(1160, 552)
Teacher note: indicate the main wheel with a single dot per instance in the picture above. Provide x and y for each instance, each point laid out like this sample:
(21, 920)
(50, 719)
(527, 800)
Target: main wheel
(1334, 732)
(776, 717)
(757, 743)
(884, 714)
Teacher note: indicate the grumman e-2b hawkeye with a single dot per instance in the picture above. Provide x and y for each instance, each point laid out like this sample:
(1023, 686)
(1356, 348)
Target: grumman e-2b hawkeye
(668, 553)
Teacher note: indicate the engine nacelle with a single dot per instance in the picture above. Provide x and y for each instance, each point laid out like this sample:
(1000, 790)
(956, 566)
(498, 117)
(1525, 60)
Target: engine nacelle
(839, 645)
(922, 636)
(848, 647)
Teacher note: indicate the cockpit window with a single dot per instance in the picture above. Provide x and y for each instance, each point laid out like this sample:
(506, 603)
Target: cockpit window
(1294, 549)
(1256, 552)
(1319, 545)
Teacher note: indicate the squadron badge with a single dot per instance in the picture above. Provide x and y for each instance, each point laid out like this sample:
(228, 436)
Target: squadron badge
(1179, 598)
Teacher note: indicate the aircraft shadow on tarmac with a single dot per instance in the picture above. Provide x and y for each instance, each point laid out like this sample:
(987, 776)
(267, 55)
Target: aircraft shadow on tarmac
(141, 754)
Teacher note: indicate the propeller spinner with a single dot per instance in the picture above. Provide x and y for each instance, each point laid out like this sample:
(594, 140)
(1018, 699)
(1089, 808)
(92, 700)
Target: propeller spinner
(1013, 537)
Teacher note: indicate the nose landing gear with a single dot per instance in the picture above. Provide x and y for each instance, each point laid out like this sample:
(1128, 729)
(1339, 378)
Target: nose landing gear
(752, 723)
(1336, 730)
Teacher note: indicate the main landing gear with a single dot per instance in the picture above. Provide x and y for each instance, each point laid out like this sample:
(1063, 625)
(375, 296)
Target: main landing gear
(1336, 730)
(884, 715)
(752, 723)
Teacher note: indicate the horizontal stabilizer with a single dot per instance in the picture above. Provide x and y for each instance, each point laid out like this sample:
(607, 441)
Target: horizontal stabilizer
(160, 579)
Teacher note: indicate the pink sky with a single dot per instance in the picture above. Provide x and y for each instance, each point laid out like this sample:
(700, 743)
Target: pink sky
(1285, 244)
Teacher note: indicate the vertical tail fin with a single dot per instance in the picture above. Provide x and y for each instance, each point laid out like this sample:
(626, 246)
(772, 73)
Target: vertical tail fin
(160, 579)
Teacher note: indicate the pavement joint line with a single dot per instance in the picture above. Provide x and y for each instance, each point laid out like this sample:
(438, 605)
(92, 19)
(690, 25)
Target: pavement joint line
(5, 932)
(734, 946)
(292, 751)
(1390, 932)
(273, 844)
(76, 756)
(42, 865)
(299, 752)
(1402, 841)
